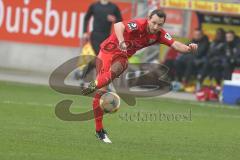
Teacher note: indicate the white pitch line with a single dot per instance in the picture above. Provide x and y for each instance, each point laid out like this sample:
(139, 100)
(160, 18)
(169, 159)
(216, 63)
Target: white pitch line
(27, 103)
(215, 115)
(204, 104)
(37, 104)
(175, 101)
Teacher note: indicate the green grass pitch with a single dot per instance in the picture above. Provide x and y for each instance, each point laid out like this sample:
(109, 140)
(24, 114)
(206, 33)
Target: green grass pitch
(30, 130)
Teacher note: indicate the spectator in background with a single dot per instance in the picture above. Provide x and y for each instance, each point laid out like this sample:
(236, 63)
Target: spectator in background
(188, 64)
(105, 13)
(213, 64)
(169, 61)
(232, 53)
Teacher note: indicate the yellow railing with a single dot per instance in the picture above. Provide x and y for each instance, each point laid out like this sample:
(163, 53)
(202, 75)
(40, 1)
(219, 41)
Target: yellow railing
(201, 5)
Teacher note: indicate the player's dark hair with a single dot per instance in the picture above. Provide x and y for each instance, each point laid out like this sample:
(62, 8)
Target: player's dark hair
(220, 35)
(160, 13)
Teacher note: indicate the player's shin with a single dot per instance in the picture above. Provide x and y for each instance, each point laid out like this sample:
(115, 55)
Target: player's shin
(98, 112)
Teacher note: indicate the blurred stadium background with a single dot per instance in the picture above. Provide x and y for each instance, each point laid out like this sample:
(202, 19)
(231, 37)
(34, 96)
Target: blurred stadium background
(36, 37)
(38, 40)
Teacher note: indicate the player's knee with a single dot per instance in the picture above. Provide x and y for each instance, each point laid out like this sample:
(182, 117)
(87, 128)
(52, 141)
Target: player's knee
(97, 96)
(117, 68)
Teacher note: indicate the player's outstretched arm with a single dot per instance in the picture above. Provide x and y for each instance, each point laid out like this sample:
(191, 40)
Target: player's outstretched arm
(184, 48)
(119, 29)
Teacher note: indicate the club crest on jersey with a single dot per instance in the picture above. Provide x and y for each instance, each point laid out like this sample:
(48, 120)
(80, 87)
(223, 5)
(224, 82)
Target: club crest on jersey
(168, 36)
(132, 26)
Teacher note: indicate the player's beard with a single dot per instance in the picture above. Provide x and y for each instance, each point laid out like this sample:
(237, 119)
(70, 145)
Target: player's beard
(153, 31)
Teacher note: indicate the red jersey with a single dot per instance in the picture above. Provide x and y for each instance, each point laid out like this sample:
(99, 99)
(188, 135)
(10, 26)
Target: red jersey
(136, 37)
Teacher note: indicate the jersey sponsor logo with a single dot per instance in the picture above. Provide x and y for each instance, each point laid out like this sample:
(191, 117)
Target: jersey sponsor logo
(132, 26)
(168, 36)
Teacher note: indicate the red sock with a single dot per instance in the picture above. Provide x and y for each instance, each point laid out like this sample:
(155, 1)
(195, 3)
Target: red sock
(98, 112)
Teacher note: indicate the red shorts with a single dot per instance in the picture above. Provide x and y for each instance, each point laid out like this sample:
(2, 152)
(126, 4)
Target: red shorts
(106, 60)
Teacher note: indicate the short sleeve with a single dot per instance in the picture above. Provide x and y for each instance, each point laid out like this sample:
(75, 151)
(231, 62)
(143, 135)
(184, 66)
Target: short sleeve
(166, 38)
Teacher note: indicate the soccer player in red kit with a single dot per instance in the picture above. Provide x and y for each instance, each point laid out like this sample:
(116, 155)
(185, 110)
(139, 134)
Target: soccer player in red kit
(128, 37)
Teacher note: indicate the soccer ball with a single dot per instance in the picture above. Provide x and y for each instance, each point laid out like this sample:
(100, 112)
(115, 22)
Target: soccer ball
(110, 102)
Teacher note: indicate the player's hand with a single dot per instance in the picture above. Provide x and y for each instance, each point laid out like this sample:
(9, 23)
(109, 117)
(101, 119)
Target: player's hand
(193, 47)
(111, 18)
(86, 36)
(85, 39)
(123, 46)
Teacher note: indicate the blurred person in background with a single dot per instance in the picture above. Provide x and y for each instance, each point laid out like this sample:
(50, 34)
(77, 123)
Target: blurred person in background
(187, 64)
(232, 53)
(105, 13)
(169, 61)
(212, 67)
